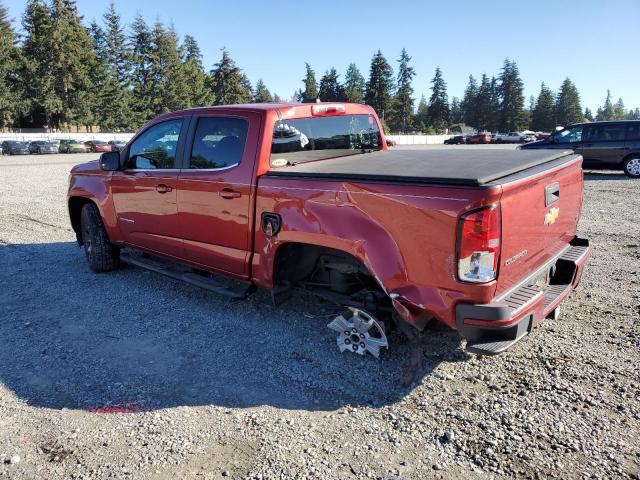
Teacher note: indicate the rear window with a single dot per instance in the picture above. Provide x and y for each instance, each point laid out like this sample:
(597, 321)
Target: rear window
(633, 131)
(317, 138)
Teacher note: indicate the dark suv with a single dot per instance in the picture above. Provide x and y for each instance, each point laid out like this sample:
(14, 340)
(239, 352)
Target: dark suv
(614, 144)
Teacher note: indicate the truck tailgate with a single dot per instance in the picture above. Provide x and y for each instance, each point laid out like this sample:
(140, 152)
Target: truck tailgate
(539, 218)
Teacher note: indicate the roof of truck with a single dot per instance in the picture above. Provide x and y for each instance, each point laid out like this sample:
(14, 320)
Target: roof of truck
(468, 167)
(286, 110)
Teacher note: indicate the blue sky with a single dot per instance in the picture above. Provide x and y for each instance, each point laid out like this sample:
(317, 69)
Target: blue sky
(593, 42)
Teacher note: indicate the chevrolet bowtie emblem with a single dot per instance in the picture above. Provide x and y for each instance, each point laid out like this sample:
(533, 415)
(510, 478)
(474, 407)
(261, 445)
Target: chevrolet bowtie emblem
(551, 216)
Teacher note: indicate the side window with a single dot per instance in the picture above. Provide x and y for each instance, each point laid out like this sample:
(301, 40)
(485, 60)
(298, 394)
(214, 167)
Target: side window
(569, 135)
(608, 132)
(156, 147)
(633, 131)
(218, 142)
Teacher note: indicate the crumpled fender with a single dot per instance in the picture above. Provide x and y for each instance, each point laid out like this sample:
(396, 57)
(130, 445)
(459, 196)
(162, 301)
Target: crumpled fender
(405, 241)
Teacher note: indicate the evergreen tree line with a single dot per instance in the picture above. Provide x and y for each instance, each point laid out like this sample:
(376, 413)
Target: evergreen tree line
(60, 74)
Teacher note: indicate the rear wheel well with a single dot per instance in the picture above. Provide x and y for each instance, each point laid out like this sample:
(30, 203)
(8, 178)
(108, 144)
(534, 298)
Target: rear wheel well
(630, 156)
(332, 274)
(75, 212)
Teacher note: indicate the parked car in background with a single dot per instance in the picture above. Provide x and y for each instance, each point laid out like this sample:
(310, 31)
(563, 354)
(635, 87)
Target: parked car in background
(542, 135)
(98, 146)
(529, 137)
(13, 147)
(511, 137)
(612, 144)
(42, 146)
(72, 146)
(391, 142)
(455, 140)
(117, 145)
(479, 138)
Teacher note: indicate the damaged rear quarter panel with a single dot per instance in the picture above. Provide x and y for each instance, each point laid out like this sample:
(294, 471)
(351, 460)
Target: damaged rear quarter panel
(404, 234)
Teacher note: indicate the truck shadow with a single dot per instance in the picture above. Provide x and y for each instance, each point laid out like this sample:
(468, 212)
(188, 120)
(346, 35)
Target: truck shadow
(135, 341)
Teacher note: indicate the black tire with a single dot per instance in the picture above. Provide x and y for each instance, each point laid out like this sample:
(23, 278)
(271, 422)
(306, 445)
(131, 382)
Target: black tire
(101, 255)
(631, 167)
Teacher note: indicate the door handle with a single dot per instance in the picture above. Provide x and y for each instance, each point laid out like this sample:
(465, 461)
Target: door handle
(228, 193)
(162, 188)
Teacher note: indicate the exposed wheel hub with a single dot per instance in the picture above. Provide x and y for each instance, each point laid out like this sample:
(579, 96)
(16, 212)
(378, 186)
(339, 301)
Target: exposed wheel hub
(359, 332)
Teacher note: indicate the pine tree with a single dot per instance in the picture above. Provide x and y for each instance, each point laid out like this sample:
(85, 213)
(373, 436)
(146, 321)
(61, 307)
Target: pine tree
(468, 104)
(228, 84)
(380, 85)
(456, 111)
(310, 92)
(116, 55)
(588, 116)
(110, 98)
(193, 74)
(439, 103)
(262, 93)
(512, 97)
(421, 117)
(619, 112)
(543, 117)
(10, 64)
(354, 85)
(494, 104)
(606, 112)
(330, 88)
(71, 54)
(36, 75)
(403, 111)
(140, 76)
(169, 90)
(568, 108)
(483, 105)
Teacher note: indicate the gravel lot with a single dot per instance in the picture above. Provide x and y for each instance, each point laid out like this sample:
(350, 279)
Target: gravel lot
(133, 375)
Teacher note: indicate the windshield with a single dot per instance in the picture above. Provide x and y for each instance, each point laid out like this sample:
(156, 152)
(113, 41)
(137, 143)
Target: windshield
(308, 139)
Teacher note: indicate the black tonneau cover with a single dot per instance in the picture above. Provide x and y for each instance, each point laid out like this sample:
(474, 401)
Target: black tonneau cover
(468, 167)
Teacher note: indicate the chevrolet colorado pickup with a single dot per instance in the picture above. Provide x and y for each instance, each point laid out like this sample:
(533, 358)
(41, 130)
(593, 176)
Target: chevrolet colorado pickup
(307, 196)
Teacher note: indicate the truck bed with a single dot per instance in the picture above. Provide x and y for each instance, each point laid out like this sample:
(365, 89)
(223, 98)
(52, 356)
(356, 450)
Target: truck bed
(464, 167)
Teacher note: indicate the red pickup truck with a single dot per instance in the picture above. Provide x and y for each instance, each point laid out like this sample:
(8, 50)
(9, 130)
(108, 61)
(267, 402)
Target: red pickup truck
(307, 196)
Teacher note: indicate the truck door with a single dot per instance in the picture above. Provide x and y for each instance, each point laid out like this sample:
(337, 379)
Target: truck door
(603, 144)
(215, 194)
(145, 191)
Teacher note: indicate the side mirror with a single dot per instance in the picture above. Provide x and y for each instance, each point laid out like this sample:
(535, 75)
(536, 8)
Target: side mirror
(110, 161)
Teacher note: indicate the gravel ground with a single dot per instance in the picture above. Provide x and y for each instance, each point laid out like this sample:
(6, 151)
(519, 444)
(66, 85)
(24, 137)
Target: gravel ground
(133, 375)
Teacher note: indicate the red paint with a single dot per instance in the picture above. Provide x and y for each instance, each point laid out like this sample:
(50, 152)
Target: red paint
(405, 234)
(96, 146)
(479, 138)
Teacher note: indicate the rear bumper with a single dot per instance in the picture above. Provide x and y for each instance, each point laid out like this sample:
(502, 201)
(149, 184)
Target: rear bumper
(494, 327)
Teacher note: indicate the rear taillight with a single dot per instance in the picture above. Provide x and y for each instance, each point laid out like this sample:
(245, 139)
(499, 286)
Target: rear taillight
(479, 245)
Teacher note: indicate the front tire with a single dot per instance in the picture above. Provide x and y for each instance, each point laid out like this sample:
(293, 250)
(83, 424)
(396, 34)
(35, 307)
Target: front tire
(631, 167)
(101, 255)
